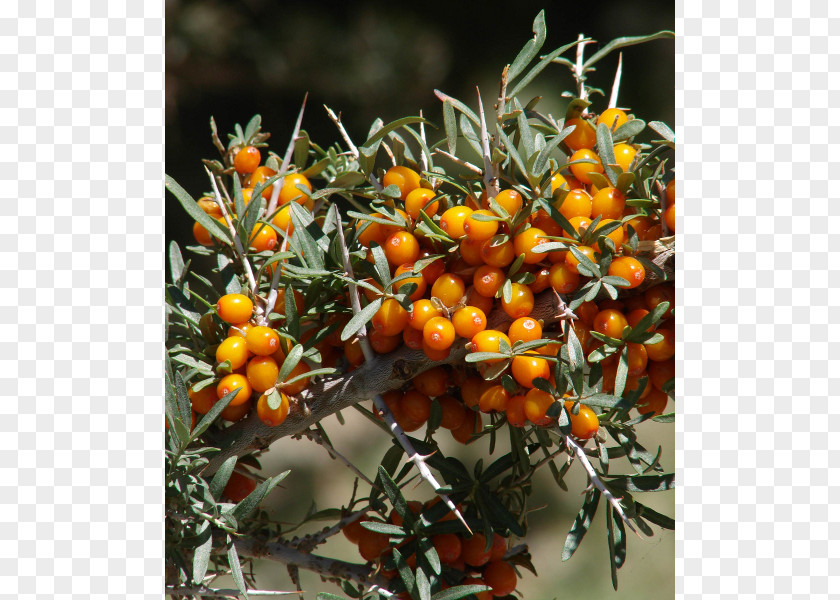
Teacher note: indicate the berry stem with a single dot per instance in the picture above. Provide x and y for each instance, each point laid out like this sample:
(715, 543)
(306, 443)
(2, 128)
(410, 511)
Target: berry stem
(351, 145)
(491, 169)
(458, 161)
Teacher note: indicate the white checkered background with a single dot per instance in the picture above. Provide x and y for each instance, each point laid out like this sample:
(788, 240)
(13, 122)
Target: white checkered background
(81, 268)
(81, 272)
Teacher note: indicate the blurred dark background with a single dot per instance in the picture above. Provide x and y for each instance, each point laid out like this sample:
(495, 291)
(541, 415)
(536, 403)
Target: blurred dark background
(369, 59)
(374, 59)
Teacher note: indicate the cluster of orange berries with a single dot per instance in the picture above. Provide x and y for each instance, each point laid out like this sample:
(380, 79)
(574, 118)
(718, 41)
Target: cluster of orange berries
(254, 354)
(466, 556)
(263, 237)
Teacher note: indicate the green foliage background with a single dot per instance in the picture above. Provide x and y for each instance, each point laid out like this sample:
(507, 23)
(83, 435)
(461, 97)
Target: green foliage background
(368, 59)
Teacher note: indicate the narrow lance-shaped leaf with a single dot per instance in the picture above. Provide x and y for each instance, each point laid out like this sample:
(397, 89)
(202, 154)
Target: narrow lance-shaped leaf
(531, 48)
(450, 126)
(194, 210)
(623, 42)
(582, 523)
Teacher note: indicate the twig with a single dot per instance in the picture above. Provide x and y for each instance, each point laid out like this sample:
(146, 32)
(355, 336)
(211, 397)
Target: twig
(596, 481)
(275, 279)
(663, 206)
(424, 160)
(463, 163)
(616, 84)
(205, 591)
(287, 159)
(351, 145)
(491, 176)
(236, 241)
(307, 542)
(318, 439)
(502, 101)
(579, 70)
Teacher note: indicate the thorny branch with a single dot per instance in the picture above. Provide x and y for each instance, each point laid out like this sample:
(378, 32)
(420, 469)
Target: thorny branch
(287, 159)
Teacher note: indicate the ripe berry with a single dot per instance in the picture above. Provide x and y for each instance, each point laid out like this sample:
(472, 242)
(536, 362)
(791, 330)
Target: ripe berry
(201, 235)
(670, 191)
(493, 398)
(659, 372)
(234, 413)
(234, 308)
(372, 544)
(435, 353)
(232, 382)
(610, 322)
(473, 552)
(670, 218)
(483, 303)
(572, 262)
(368, 231)
(480, 230)
(488, 341)
(353, 530)
(500, 255)
(563, 279)
(472, 389)
(582, 170)
(564, 182)
(536, 405)
(415, 406)
(418, 280)
(421, 312)
(233, 349)
(663, 350)
(624, 155)
(401, 247)
(471, 251)
(616, 235)
(453, 412)
(448, 547)
(468, 321)
(470, 426)
(273, 417)
(500, 576)
(203, 400)
(524, 329)
(637, 359)
(413, 338)
(453, 219)
(432, 270)
(640, 225)
(583, 135)
(521, 301)
(259, 176)
(487, 280)
(404, 178)
(383, 344)
(655, 403)
(656, 295)
(296, 387)
(283, 220)
(290, 192)
(577, 203)
(515, 411)
(420, 199)
(210, 206)
(438, 333)
(526, 368)
(613, 118)
(541, 281)
(584, 424)
(238, 487)
(390, 319)
(247, 160)
(510, 200)
(262, 341)
(525, 242)
(432, 382)
(449, 289)
(262, 373)
(608, 203)
(629, 268)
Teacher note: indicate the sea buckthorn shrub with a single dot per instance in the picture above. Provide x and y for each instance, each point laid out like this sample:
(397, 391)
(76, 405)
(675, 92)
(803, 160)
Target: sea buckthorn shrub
(523, 301)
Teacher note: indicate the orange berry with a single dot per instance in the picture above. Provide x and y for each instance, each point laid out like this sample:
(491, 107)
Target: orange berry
(652, 234)
(500, 576)
(247, 160)
(483, 303)
(584, 424)
(636, 315)
(404, 178)
(283, 220)
(435, 353)
(525, 242)
(353, 530)
(259, 176)
(608, 203)
(583, 135)
(616, 235)
(420, 199)
(201, 235)
(655, 402)
(390, 319)
(613, 118)
(273, 417)
(521, 301)
(670, 218)
(453, 413)
(471, 252)
(232, 382)
(587, 312)
(289, 192)
(413, 338)
(433, 270)
(203, 400)
(470, 426)
(210, 206)
(383, 344)
(234, 413)
(497, 256)
(580, 224)
(510, 200)
(473, 552)
(468, 321)
(392, 399)
(262, 373)
(389, 230)
(630, 269)
(488, 341)
(448, 547)
(487, 280)
(238, 487)
(658, 294)
(526, 368)
(610, 322)
(515, 411)
(432, 383)
(415, 406)
(563, 279)
(472, 389)
(368, 232)
(564, 182)
(401, 247)
(233, 349)
(637, 359)
(624, 155)
(541, 281)
(449, 289)
(262, 341)
(582, 170)
(234, 308)
(438, 333)
(418, 280)
(493, 398)
(640, 225)
(296, 387)
(663, 350)
(524, 329)
(499, 548)
(670, 192)
(453, 219)
(572, 262)
(659, 372)
(372, 544)
(536, 405)
(480, 230)
(421, 312)
(632, 384)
